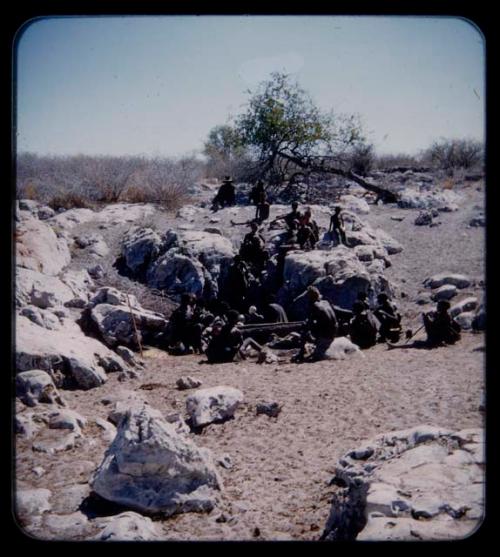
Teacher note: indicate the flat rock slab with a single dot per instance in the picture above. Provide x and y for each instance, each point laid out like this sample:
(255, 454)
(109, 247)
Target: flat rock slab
(424, 483)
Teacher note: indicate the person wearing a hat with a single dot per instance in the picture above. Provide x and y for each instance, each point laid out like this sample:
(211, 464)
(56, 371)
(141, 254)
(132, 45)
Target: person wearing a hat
(256, 192)
(440, 326)
(226, 196)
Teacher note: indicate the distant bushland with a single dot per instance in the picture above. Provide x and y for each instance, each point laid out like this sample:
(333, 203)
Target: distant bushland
(88, 181)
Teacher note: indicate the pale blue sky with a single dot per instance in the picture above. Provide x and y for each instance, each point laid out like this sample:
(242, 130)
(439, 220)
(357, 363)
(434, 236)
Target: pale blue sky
(157, 85)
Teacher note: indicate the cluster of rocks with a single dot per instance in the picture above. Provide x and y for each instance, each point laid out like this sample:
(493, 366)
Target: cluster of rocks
(468, 311)
(152, 466)
(196, 261)
(424, 483)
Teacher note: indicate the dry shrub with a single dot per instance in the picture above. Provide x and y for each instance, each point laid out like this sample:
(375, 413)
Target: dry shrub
(69, 200)
(448, 184)
(134, 194)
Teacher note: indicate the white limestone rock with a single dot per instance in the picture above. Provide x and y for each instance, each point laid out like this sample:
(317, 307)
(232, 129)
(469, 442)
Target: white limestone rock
(80, 284)
(127, 527)
(30, 502)
(342, 348)
(39, 249)
(150, 468)
(213, 404)
(40, 290)
(82, 358)
(117, 324)
(423, 483)
(36, 386)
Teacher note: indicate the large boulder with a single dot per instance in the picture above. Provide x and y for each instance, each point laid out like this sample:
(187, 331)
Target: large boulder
(425, 483)
(39, 249)
(213, 404)
(140, 247)
(150, 468)
(176, 273)
(338, 274)
(40, 290)
(121, 325)
(194, 261)
(80, 359)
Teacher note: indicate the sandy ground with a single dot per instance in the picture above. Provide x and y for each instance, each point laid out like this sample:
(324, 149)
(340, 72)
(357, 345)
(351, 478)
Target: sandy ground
(278, 485)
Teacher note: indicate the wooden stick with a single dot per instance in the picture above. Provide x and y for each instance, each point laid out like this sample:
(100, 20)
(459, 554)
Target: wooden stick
(135, 326)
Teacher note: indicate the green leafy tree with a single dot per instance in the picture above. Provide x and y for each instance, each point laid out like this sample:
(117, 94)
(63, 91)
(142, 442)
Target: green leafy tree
(289, 136)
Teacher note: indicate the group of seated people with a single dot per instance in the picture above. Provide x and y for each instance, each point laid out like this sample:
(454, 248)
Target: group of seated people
(215, 330)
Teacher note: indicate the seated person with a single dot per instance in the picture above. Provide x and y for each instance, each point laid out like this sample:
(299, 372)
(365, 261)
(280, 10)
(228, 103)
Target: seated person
(226, 340)
(390, 319)
(362, 328)
(440, 327)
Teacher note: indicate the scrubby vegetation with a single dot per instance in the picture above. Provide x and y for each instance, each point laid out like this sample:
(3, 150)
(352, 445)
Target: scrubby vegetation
(281, 137)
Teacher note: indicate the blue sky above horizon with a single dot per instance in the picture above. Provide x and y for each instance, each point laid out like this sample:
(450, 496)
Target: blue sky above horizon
(155, 86)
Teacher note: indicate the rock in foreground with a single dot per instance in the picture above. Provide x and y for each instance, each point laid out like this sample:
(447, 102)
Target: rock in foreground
(423, 483)
(149, 467)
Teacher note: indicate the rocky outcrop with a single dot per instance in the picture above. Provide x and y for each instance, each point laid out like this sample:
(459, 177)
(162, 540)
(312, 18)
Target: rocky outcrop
(338, 274)
(117, 324)
(150, 468)
(444, 200)
(40, 290)
(140, 247)
(39, 249)
(194, 262)
(424, 483)
(80, 284)
(213, 404)
(67, 353)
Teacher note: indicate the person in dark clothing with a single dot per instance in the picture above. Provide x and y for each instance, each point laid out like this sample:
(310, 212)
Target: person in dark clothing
(292, 218)
(362, 328)
(202, 318)
(179, 324)
(253, 249)
(256, 193)
(362, 298)
(440, 327)
(225, 344)
(337, 227)
(226, 196)
(321, 327)
(263, 209)
(253, 316)
(390, 319)
(239, 278)
(274, 313)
